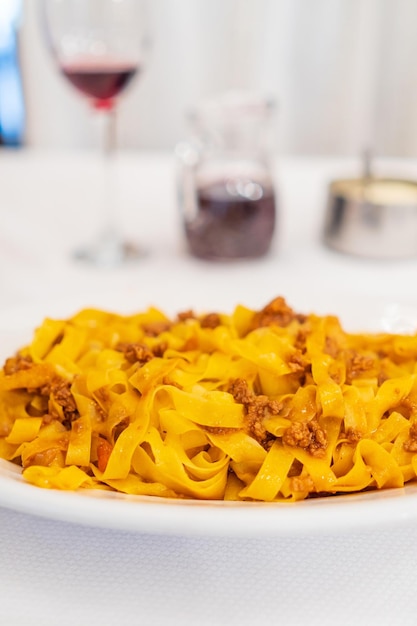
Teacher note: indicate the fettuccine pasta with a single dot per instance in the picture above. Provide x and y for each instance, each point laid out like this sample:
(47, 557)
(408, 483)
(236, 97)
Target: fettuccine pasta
(266, 405)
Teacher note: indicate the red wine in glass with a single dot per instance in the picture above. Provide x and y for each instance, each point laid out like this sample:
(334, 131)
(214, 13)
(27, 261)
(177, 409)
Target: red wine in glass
(100, 81)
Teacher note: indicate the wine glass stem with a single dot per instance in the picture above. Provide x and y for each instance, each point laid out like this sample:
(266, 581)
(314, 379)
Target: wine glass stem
(108, 148)
(110, 249)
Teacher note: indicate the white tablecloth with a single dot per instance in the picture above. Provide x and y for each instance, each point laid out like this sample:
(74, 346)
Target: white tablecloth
(56, 572)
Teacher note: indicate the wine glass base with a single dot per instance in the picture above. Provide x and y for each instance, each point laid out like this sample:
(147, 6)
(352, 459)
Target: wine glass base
(114, 254)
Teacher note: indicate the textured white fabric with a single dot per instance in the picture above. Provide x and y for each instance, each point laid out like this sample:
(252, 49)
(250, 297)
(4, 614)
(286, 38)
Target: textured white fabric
(58, 573)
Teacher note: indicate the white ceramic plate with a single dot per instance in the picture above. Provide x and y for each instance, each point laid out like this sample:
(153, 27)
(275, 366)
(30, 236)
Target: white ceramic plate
(153, 515)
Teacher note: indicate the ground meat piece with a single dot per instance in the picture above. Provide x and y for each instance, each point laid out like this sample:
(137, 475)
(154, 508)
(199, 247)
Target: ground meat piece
(407, 407)
(186, 315)
(302, 484)
(136, 352)
(411, 444)
(331, 347)
(153, 329)
(60, 390)
(300, 341)
(239, 389)
(356, 364)
(262, 406)
(212, 320)
(353, 436)
(308, 436)
(47, 418)
(298, 363)
(45, 390)
(276, 313)
(257, 408)
(159, 349)
(17, 363)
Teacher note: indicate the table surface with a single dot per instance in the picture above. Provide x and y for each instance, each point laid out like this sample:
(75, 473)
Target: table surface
(50, 203)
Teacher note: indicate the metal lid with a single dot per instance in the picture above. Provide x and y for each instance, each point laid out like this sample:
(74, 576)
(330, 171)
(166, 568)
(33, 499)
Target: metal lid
(372, 217)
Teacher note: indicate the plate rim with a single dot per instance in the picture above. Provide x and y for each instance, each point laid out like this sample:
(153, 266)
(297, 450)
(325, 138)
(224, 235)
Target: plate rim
(336, 514)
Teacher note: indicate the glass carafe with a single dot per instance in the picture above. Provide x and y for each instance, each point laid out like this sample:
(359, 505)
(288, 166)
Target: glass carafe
(226, 187)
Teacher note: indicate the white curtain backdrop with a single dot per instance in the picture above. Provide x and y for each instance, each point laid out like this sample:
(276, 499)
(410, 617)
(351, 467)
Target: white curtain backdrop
(344, 73)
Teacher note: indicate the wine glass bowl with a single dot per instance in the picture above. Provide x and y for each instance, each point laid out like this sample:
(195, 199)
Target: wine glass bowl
(101, 84)
(100, 47)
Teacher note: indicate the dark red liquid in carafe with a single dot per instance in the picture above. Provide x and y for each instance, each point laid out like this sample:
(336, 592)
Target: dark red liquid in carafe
(230, 225)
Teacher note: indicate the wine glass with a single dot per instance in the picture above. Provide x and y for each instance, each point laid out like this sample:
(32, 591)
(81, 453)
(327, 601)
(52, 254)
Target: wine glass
(100, 46)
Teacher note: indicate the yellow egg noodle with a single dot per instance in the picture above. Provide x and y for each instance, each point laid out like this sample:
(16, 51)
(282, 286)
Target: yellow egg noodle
(265, 405)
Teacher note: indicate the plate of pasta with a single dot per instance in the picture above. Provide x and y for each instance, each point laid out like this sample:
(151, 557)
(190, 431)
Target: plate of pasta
(252, 422)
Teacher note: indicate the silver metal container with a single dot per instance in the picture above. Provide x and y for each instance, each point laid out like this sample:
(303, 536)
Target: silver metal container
(372, 217)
